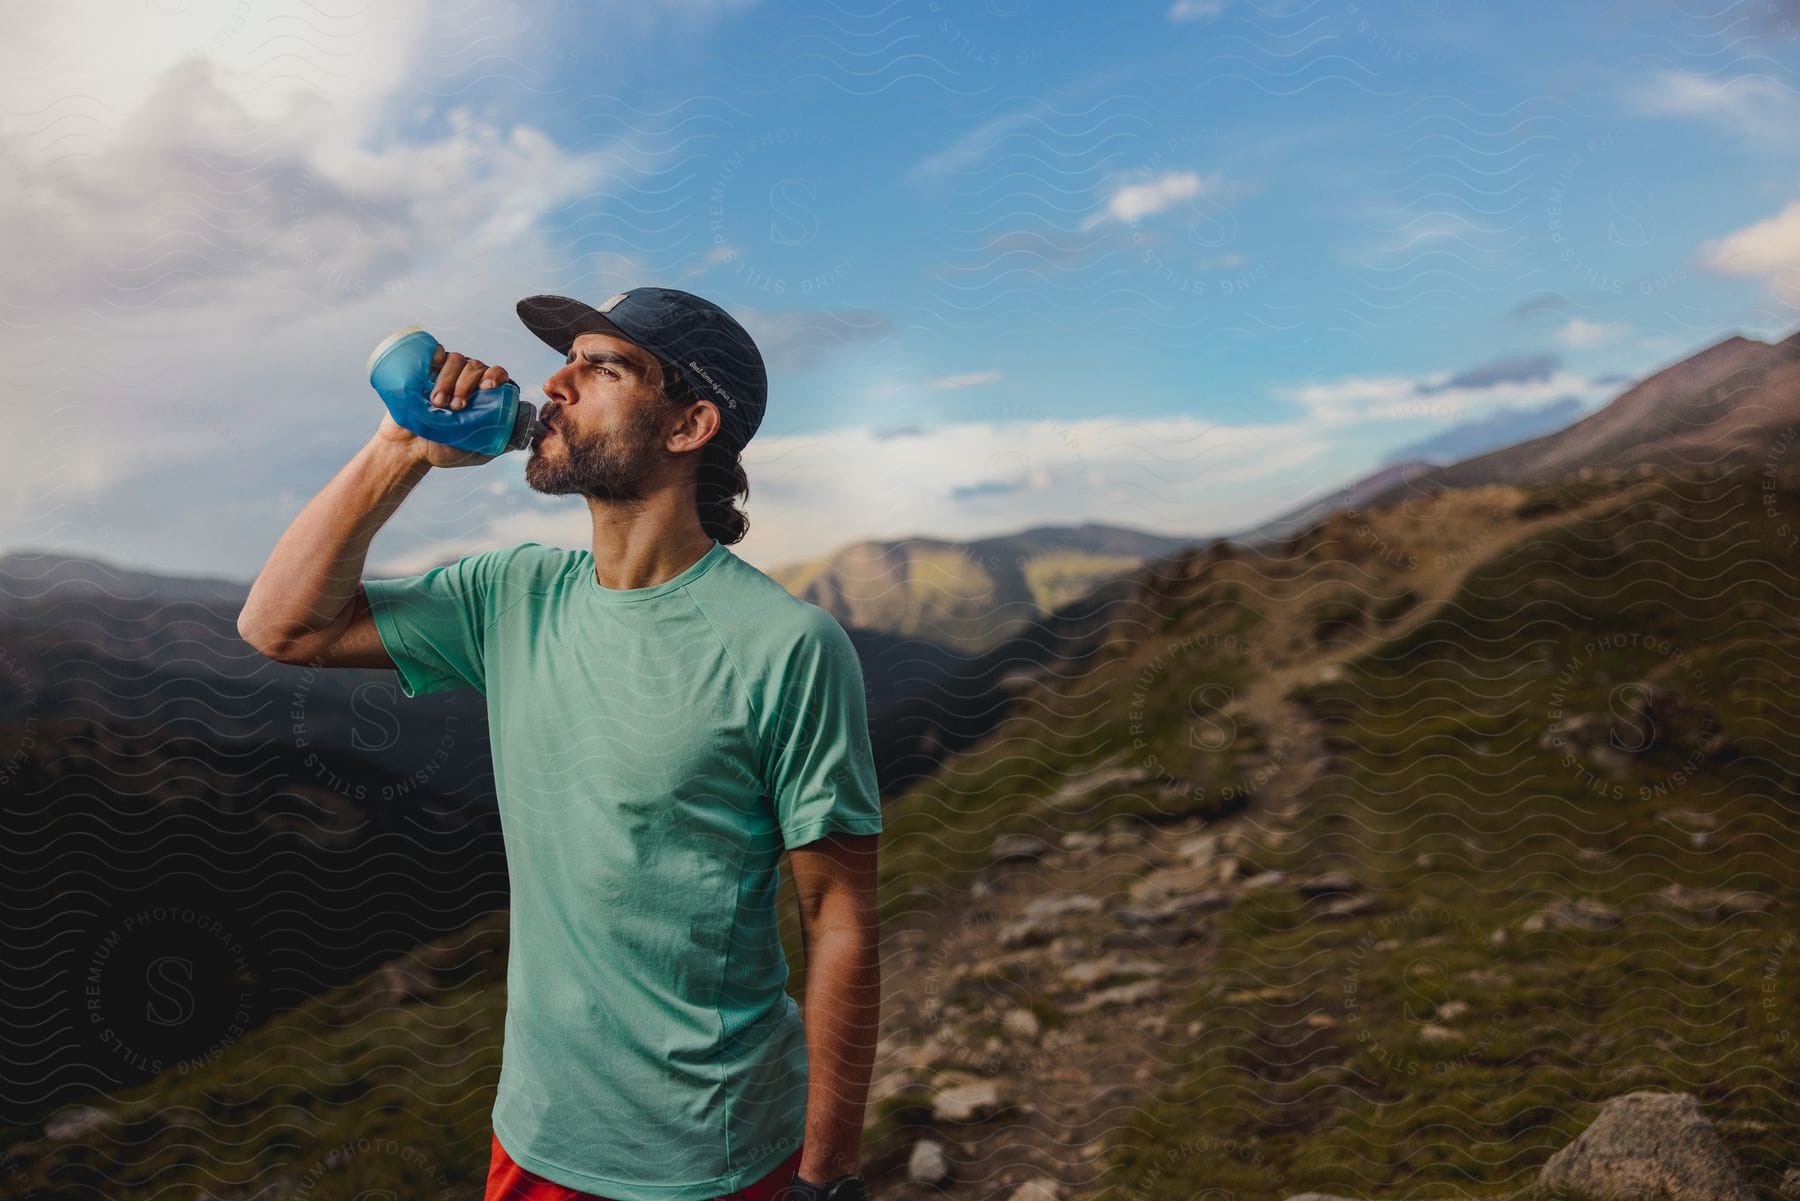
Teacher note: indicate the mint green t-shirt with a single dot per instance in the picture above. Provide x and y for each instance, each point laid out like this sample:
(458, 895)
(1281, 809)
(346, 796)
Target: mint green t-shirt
(655, 749)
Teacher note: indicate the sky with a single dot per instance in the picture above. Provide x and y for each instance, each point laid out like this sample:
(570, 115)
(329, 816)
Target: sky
(1177, 266)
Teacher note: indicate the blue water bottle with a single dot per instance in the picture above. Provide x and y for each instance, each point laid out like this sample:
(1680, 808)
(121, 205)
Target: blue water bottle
(494, 420)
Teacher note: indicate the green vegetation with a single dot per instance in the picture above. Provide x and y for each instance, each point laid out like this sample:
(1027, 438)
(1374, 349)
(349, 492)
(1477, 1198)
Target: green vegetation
(1462, 821)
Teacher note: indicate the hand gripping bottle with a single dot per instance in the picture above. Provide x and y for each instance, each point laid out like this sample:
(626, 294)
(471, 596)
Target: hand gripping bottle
(494, 420)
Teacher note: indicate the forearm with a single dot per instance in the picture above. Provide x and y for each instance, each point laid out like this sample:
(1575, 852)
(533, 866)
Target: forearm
(317, 565)
(843, 1016)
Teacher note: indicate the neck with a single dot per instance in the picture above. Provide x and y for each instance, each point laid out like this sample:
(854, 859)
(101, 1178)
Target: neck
(639, 544)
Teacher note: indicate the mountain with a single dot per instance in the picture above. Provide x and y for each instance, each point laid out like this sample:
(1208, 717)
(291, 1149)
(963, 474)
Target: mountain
(1501, 428)
(1355, 495)
(1738, 399)
(969, 595)
(1375, 861)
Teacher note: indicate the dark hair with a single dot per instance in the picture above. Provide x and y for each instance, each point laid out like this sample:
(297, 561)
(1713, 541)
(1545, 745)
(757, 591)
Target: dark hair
(720, 480)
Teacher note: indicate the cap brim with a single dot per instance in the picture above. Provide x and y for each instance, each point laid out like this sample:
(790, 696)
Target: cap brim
(559, 320)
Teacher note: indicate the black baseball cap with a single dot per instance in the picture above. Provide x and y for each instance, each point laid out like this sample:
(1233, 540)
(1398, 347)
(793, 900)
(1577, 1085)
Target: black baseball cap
(715, 354)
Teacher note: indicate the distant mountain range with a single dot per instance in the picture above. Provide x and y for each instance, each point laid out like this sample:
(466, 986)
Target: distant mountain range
(970, 595)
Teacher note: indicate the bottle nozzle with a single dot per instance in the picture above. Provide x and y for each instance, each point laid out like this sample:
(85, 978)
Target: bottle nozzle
(525, 426)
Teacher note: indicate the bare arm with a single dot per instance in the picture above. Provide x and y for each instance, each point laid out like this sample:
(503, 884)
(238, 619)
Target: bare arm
(834, 878)
(308, 604)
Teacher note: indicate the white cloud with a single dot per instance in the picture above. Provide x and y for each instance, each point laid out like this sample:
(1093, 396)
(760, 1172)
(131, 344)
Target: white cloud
(722, 253)
(1770, 248)
(1759, 108)
(1193, 10)
(1132, 202)
(976, 146)
(1361, 399)
(1577, 333)
(952, 383)
(211, 216)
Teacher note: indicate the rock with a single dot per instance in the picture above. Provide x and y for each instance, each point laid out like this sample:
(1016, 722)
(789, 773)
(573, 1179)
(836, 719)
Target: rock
(1062, 906)
(1133, 917)
(1168, 882)
(1327, 883)
(1111, 776)
(1484, 977)
(1199, 850)
(1350, 906)
(77, 1121)
(928, 1163)
(1135, 993)
(1658, 716)
(1021, 1022)
(1026, 932)
(1041, 921)
(1081, 840)
(1110, 968)
(1040, 1188)
(1645, 1145)
(922, 1056)
(968, 1102)
(892, 1084)
(1712, 902)
(1261, 880)
(1579, 913)
(1432, 1033)
(1653, 717)
(1451, 1011)
(1020, 848)
(1190, 904)
(396, 982)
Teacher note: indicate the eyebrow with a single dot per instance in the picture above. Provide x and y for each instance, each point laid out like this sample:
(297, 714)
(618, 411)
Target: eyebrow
(605, 356)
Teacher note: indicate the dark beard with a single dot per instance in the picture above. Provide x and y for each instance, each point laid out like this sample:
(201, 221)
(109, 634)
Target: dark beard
(599, 466)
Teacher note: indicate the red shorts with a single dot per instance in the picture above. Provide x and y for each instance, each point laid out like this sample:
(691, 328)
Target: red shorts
(507, 1181)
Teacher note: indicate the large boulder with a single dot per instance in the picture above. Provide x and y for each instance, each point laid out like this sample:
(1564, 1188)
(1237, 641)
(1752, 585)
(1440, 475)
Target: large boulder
(1644, 1146)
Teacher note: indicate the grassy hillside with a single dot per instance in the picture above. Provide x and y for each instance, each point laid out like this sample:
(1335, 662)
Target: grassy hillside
(1569, 697)
(1448, 800)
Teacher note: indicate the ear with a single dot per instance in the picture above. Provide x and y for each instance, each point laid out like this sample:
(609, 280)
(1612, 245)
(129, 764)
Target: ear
(699, 423)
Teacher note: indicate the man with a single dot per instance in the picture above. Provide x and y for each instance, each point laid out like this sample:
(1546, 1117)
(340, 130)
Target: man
(666, 719)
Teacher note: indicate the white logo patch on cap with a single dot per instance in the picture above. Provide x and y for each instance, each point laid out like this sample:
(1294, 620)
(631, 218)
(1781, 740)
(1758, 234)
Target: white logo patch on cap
(610, 301)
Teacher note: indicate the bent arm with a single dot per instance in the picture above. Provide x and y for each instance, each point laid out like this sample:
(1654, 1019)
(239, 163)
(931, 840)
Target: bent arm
(308, 605)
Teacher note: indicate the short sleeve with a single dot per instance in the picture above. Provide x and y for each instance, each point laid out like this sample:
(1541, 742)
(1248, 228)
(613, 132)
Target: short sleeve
(820, 767)
(433, 625)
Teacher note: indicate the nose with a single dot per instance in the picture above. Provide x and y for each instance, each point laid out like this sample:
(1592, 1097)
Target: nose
(550, 385)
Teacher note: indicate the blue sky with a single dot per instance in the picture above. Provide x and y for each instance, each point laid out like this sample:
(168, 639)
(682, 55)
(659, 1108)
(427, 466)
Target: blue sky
(1175, 266)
